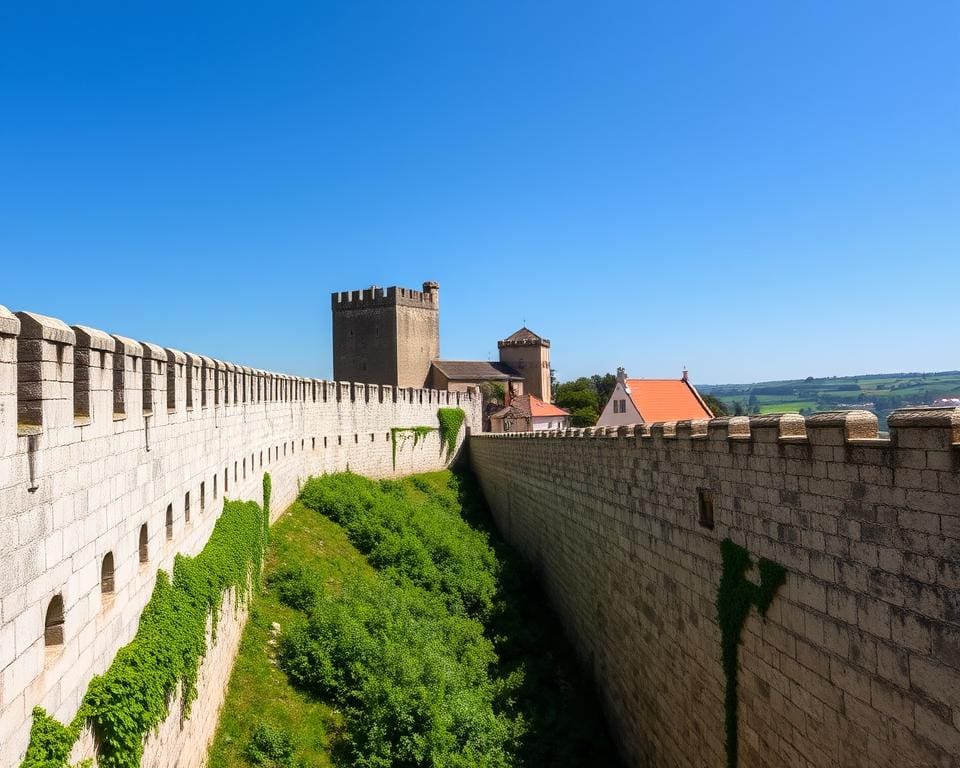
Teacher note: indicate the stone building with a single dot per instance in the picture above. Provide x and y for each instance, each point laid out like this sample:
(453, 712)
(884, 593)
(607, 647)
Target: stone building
(528, 413)
(386, 336)
(392, 337)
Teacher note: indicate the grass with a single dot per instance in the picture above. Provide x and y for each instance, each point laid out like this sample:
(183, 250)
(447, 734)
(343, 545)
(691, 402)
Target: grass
(560, 724)
(258, 691)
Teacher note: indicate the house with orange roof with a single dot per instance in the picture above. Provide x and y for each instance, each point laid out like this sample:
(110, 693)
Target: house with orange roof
(528, 413)
(645, 401)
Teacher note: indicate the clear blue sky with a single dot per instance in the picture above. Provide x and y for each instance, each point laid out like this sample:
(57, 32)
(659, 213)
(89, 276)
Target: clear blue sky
(753, 189)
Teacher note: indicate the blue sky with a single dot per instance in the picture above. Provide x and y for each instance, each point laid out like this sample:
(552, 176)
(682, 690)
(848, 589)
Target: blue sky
(754, 189)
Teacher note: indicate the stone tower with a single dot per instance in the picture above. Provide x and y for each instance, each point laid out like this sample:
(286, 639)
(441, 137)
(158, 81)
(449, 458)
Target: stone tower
(529, 354)
(386, 336)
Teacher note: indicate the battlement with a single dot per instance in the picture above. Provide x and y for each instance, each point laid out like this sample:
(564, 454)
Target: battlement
(506, 343)
(111, 446)
(921, 428)
(393, 296)
(625, 528)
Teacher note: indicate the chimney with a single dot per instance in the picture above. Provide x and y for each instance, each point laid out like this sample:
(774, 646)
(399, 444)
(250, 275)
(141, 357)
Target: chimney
(684, 377)
(621, 375)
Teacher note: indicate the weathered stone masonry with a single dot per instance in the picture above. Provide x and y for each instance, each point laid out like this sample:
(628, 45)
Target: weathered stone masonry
(101, 435)
(858, 660)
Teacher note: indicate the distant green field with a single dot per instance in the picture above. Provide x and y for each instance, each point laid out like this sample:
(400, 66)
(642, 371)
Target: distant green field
(881, 393)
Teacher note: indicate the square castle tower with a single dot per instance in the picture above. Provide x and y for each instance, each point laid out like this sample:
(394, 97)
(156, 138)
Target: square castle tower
(386, 336)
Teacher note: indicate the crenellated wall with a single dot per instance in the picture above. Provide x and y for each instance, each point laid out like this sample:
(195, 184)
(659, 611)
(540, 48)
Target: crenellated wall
(100, 435)
(857, 662)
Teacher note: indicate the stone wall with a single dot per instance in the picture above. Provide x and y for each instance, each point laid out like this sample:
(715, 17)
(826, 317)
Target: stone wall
(100, 435)
(857, 662)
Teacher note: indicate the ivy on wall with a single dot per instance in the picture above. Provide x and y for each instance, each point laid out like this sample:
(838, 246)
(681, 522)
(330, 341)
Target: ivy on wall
(403, 434)
(451, 419)
(736, 595)
(130, 699)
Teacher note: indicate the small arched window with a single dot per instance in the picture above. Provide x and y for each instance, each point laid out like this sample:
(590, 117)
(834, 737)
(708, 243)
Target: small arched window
(144, 546)
(169, 522)
(106, 575)
(53, 624)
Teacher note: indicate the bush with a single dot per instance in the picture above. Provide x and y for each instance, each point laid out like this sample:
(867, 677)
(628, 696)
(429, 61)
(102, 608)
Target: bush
(270, 747)
(449, 656)
(294, 587)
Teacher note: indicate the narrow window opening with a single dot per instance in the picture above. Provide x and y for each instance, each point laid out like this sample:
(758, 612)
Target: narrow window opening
(106, 575)
(144, 546)
(186, 507)
(214, 486)
(53, 623)
(261, 459)
(226, 480)
(190, 384)
(169, 522)
(705, 507)
(313, 443)
(244, 468)
(203, 497)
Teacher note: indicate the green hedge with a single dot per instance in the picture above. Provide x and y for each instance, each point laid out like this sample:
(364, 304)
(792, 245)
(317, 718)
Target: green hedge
(130, 699)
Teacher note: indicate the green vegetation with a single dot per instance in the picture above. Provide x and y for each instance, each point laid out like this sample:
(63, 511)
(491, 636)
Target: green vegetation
(402, 434)
(442, 656)
(717, 408)
(451, 419)
(735, 597)
(131, 697)
(880, 393)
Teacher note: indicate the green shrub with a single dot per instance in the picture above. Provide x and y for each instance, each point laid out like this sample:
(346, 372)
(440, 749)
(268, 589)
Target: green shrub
(450, 657)
(295, 587)
(412, 677)
(131, 698)
(270, 747)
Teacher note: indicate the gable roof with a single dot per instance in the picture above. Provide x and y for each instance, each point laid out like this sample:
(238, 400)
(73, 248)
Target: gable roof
(527, 406)
(666, 400)
(523, 336)
(476, 370)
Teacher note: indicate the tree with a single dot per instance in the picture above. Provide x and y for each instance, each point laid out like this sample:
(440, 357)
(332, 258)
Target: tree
(492, 392)
(604, 386)
(715, 405)
(584, 417)
(573, 395)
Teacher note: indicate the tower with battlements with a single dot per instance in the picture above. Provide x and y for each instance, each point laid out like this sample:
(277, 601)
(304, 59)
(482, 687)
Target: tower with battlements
(529, 354)
(386, 336)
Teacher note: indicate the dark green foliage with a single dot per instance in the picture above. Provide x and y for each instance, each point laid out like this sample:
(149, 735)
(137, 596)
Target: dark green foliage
(581, 399)
(295, 587)
(410, 542)
(449, 657)
(411, 677)
(451, 419)
(735, 597)
(716, 407)
(131, 697)
(270, 747)
(267, 490)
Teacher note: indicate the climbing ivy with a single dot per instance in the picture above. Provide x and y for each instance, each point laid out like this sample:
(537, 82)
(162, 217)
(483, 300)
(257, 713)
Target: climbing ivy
(451, 419)
(130, 699)
(267, 490)
(735, 596)
(418, 434)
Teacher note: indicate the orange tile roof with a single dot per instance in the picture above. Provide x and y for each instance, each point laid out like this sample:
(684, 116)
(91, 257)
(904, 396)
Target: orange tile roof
(526, 406)
(540, 408)
(666, 400)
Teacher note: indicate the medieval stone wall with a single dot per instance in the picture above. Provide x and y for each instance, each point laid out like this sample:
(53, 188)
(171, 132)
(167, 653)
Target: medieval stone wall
(857, 662)
(101, 435)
